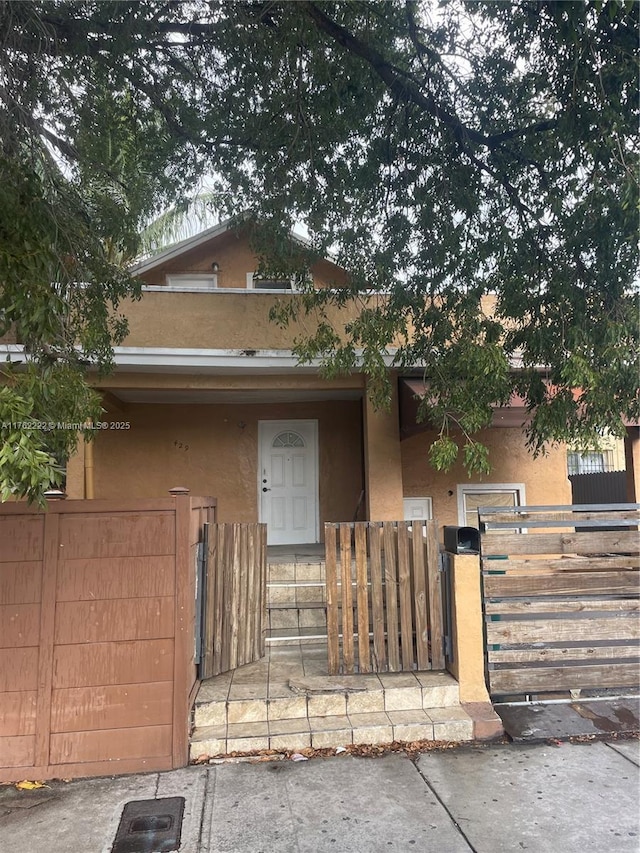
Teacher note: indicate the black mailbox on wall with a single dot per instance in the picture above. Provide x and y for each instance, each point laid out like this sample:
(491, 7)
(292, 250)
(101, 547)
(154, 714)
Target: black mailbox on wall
(461, 540)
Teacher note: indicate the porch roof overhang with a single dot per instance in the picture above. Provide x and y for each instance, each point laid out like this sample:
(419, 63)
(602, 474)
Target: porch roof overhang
(411, 391)
(191, 360)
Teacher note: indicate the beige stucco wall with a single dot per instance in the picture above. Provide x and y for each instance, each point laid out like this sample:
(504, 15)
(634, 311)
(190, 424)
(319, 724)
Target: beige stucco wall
(468, 642)
(383, 461)
(545, 478)
(213, 450)
(217, 320)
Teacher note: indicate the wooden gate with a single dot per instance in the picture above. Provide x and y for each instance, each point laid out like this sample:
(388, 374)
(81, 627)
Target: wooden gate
(234, 607)
(395, 617)
(560, 597)
(97, 672)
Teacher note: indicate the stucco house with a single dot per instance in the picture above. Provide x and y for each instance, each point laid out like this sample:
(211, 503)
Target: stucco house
(207, 394)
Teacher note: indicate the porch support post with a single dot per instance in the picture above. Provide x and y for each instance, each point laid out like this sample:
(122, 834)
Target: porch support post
(383, 462)
(75, 473)
(632, 463)
(468, 646)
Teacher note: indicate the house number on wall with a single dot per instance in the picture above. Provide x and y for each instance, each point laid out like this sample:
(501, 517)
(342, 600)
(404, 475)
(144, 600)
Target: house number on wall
(180, 446)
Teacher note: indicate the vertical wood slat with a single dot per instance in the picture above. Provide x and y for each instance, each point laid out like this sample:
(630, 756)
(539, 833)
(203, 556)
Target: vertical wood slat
(263, 587)
(257, 563)
(347, 598)
(362, 593)
(420, 597)
(47, 635)
(404, 587)
(227, 596)
(434, 592)
(242, 612)
(391, 595)
(216, 551)
(253, 591)
(236, 596)
(377, 601)
(331, 581)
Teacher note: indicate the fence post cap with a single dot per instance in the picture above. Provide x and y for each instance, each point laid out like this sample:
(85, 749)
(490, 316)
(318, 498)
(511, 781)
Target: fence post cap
(178, 490)
(55, 495)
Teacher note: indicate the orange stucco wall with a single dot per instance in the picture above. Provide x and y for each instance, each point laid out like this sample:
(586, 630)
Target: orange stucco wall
(545, 478)
(213, 450)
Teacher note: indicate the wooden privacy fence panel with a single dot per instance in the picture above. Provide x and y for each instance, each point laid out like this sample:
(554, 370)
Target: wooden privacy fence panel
(561, 601)
(96, 636)
(394, 623)
(235, 607)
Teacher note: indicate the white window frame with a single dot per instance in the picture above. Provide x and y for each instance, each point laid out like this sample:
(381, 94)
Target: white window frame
(192, 281)
(518, 488)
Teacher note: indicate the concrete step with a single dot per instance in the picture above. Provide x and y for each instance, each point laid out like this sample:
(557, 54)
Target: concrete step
(298, 634)
(301, 592)
(278, 572)
(309, 615)
(320, 711)
(295, 592)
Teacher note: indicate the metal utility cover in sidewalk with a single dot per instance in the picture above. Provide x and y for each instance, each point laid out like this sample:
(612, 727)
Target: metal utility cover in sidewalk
(150, 826)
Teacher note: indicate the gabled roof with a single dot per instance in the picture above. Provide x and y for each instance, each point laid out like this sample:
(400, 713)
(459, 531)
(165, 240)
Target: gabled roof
(183, 246)
(200, 239)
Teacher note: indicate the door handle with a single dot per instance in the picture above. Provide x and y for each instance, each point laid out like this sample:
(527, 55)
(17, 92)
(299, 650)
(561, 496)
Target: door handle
(265, 489)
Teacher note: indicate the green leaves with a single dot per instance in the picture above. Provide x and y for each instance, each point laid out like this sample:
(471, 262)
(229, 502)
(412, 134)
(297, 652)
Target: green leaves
(43, 409)
(473, 168)
(484, 185)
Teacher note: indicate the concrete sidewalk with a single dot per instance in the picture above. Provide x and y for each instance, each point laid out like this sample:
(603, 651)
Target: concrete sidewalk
(488, 799)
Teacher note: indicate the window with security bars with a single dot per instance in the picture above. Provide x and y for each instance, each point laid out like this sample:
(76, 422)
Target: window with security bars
(589, 463)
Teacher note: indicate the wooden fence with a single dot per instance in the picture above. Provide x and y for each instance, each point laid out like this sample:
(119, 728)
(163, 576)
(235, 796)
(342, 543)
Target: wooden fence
(395, 618)
(97, 612)
(235, 599)
(561, 606)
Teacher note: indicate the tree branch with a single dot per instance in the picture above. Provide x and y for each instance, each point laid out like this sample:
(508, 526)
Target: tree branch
(405, 88)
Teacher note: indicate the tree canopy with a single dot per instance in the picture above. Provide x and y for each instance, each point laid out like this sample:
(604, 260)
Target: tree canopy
(473, 166)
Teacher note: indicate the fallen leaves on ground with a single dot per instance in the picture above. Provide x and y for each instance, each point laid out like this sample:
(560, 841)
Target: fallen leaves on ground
(26, 785)
(364, 750)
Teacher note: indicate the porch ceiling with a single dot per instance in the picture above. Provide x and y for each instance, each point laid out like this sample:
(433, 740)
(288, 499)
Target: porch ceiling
(216, 395)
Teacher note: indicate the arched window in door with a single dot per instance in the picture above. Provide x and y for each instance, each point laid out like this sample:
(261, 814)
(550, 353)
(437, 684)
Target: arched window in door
(288, 439)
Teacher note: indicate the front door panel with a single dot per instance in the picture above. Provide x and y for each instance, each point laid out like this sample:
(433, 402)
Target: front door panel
(288, 481)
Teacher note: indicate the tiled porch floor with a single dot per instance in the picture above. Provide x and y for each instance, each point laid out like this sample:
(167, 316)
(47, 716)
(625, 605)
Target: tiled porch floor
(270, 676)
(287, 701)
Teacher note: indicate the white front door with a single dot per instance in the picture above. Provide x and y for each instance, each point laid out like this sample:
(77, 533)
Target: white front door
(288, 481)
